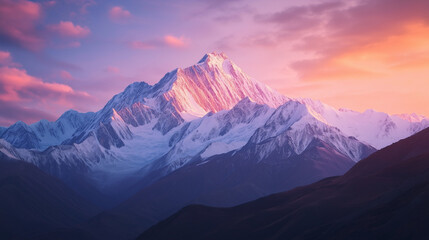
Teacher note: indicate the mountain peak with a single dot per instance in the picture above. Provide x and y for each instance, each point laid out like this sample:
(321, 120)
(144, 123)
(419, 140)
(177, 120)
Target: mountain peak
(413, 117)
(20, 124)
(68, 114)
(215, 83)
(213, 56)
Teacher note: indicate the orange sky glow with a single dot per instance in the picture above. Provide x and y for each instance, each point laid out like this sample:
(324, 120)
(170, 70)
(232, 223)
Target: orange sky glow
(355, 54)
(390, 74)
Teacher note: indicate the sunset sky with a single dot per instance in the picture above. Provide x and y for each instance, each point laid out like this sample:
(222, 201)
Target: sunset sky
(58, 55)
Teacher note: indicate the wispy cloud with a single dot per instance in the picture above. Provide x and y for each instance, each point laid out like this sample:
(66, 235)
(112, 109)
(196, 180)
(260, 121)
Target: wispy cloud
(65, 75)
(17, 87)
(18, 19)
(18, 112)
(68, 29)
(340, 35)
(118, 14)
(143, 45)
(83, 5)
(112, 69)
(167, 41)
(5, 58)
(176, 42)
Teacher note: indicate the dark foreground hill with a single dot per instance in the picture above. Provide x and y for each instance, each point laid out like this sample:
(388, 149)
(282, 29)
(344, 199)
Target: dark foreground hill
(33, 202)
(385, 196)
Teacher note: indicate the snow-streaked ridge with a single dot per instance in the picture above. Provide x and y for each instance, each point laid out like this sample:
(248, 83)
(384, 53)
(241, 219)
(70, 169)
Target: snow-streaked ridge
(217, 133)
(193, 114)
(295, 124)
(215, 83)
(42, 134)
(375, 128)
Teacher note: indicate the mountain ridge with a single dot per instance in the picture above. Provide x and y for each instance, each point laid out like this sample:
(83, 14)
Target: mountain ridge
(140, 102)
(149, 128)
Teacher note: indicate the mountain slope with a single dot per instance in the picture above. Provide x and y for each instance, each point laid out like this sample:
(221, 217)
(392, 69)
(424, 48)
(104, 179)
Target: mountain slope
(275, 159)
(33, 203)
(382, 197)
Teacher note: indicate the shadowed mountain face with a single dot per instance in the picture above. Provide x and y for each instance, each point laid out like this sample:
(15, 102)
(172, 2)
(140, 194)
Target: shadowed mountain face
(33, 203)
(384, 196)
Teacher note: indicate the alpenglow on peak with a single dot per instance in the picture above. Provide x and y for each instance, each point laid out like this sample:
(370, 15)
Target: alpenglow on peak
(215, 83)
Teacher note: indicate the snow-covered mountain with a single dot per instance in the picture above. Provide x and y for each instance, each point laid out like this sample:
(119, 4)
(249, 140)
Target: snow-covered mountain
(43, 134)
(294, 125)
(375, 128)
(189, 116)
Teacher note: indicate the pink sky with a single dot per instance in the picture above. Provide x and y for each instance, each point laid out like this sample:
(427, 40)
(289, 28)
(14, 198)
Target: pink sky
(56, 55)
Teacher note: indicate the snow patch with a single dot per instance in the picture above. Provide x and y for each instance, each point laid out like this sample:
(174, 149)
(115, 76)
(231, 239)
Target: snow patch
(217, 148)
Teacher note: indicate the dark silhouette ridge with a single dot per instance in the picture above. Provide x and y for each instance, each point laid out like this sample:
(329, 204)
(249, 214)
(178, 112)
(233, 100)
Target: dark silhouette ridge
(33, 202)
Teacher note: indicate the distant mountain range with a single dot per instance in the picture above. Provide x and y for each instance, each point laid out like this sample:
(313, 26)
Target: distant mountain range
(206, 134)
